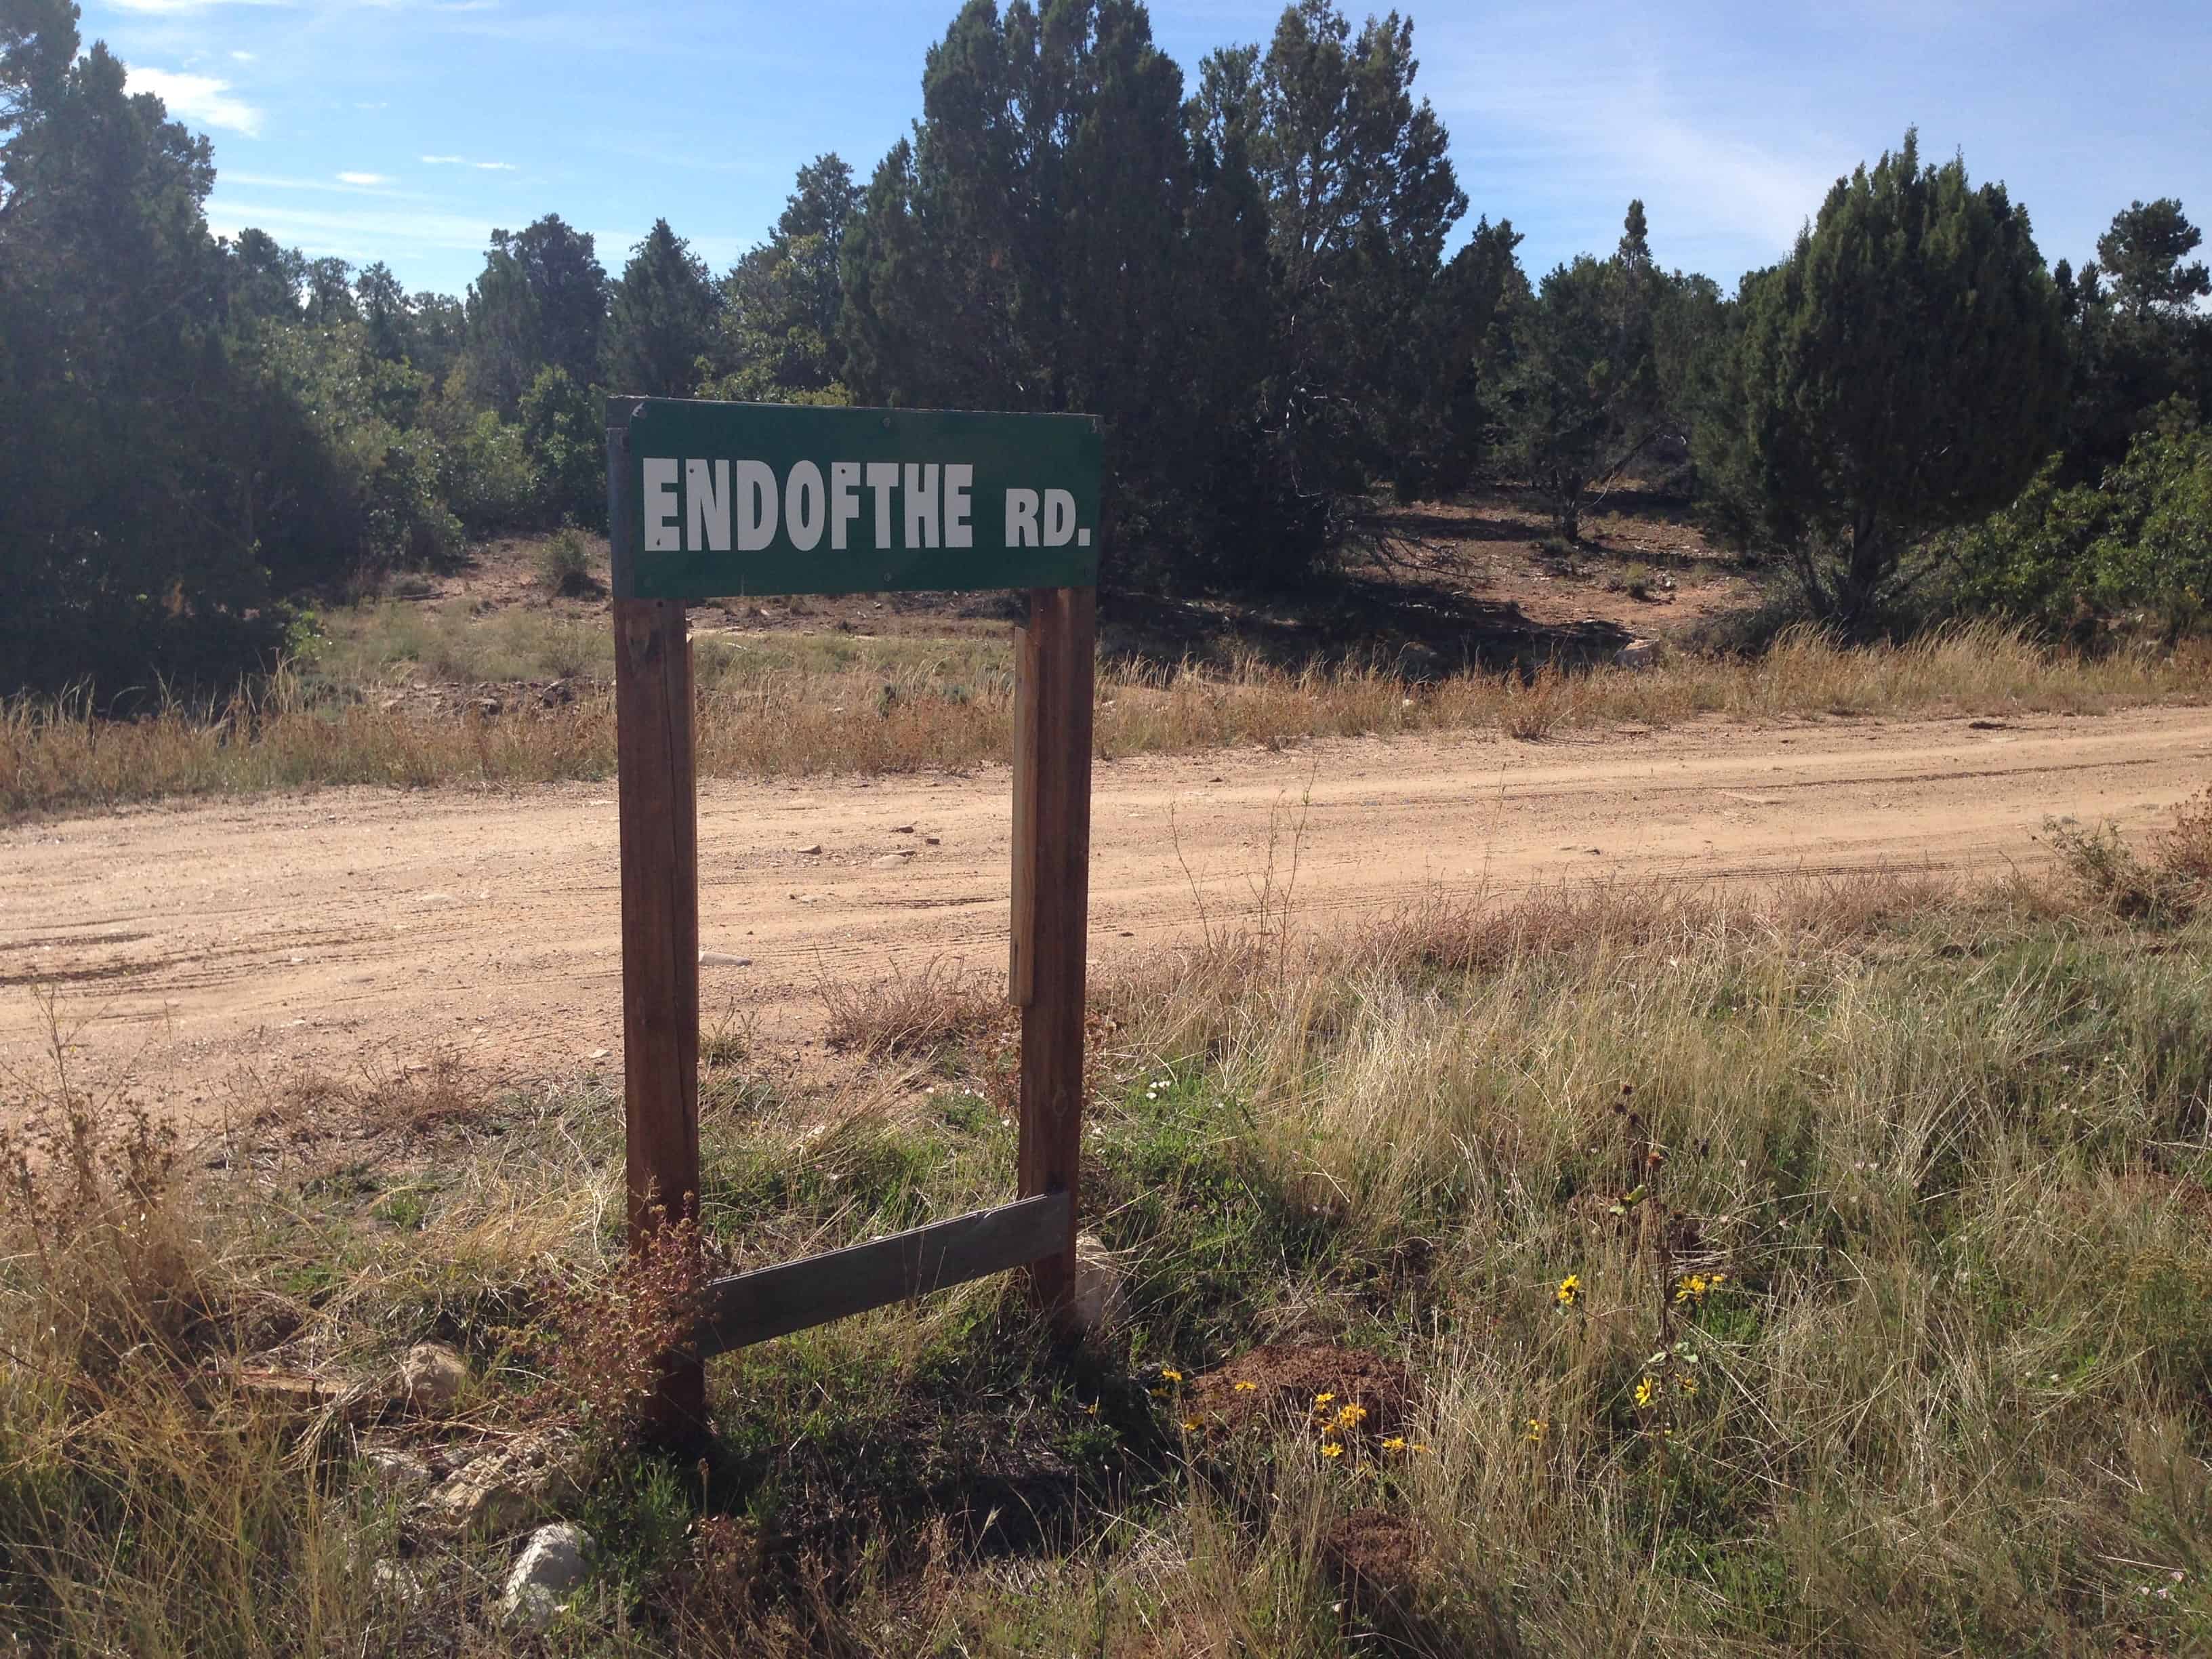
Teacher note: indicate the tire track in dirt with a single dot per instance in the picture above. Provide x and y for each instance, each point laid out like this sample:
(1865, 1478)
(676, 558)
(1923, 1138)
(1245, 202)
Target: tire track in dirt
(201, 939)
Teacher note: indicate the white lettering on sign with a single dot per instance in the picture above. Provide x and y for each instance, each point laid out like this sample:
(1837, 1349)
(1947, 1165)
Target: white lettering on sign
(844, 499)
(660, 533)
(1059, 517)
(959, 478)
(883, 478)
(1021, 518)
(921, 514)
(803, 505)
(706, 506)
(756, 506)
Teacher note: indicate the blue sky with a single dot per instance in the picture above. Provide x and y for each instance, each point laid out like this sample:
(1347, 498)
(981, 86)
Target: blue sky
(406, 129)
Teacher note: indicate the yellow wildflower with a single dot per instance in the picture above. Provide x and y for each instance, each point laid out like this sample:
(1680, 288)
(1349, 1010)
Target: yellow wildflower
(1644, 1390)
(1190, 1426)
(1350, 1417)
(1170, 1374)
(1332, 1449)
(1395, 1443)
(1537, 1428)
(1688, 1384)
(1323, 1399)
(1570, 1291)
(1246, 1388)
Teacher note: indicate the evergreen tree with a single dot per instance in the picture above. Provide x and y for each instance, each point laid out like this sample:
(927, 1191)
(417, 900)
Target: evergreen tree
(782, 302)
(541, 299)
(2142, 254)
(265, 280)
(663, 317)
(1021, 251)
(2135, 335)
(381, 304)
(1361, 196)
(1901, 372)
(1582, 398)
(564, 434)
(129, 544)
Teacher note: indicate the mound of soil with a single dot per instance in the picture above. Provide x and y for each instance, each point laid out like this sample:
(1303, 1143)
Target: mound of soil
(1375, 1558)
(1283, 1380)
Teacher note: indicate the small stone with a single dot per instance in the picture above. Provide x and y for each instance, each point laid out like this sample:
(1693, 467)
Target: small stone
(431, 1376)
(723, 959)
(902, 829)
(396, 1581)
(553, 1563)
(932, 841)
(1643, 654)
(810, 850)
(892, 860)
(500, 1490)
(394, 1471)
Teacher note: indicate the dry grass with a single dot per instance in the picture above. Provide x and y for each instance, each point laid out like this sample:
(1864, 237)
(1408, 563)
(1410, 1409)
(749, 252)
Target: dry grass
(879, 706)
(1889, 1333)
(913, 1012)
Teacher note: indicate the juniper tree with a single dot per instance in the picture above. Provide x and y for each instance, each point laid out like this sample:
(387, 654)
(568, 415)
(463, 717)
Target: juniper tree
(1902, 371)
(662, 320)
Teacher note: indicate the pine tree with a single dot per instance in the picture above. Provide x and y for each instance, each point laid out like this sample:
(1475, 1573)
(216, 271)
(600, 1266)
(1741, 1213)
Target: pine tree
(541, 299)
(1361, 197)
(1901, 372)
(782, 302)
(1582, 396)
(1021, 251)
(663, 318)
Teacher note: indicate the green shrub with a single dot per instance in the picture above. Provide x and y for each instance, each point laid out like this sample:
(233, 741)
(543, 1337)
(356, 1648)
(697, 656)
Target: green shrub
(2133, 549)
(565, 561)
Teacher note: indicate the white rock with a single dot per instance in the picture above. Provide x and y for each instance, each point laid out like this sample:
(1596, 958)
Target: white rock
(432, 1376)
(1642, 653)
(397, 1581)
(723, 959)
(553, 1563)
(501, 1489)
(816, 847)
(391, 1471)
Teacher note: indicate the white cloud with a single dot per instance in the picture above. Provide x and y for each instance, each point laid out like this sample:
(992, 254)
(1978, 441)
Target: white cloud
(375, 233)
(381, 103)
(363, 179)
(242, 56)
(494, 167)
(463, 162)
(198, 99)
(440, 160)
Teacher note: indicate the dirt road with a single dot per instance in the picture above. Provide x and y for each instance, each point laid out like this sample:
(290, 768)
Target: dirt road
(203, 938)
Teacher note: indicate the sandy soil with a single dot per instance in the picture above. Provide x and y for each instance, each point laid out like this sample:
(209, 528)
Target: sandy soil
(196, 941)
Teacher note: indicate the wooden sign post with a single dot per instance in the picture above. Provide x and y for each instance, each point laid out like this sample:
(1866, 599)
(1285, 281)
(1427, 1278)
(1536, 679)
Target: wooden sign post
(712, 500)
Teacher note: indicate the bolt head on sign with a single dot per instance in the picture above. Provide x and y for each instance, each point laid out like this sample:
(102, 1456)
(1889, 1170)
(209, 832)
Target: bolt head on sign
(716, 500)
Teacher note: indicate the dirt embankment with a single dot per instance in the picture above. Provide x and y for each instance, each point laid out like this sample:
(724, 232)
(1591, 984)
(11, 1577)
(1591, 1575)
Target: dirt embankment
(204, 939)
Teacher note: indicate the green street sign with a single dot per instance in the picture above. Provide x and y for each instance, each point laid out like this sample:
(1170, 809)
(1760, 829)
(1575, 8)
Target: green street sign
(710, 500)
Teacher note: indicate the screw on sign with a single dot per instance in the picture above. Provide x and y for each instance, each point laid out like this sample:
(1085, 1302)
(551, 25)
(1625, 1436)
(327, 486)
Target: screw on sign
(716, 501)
